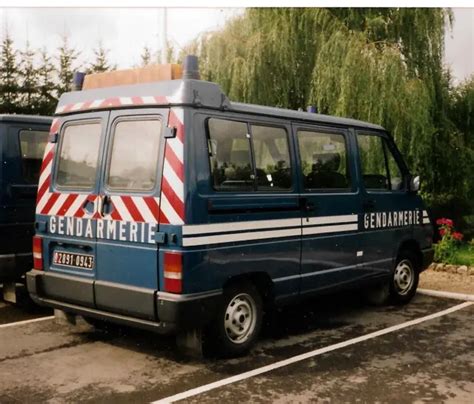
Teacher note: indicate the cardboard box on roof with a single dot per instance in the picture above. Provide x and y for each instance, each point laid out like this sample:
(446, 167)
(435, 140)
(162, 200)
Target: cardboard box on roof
(145, 74)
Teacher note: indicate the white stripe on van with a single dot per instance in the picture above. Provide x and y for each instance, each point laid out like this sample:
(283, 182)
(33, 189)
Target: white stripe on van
(177, 147)
(229, 238)
(96, 103)
(426, 220)
(329, 229)
(122, 209)
(425, 213)
(174, 181)
(126, 101)
(78, 202)
(148, 99)
(330, 220)
(238, 226)
(143, 208)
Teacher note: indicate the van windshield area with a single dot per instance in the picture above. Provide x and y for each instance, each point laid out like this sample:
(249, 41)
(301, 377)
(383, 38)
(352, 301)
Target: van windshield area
(32, 144)
(79, 150)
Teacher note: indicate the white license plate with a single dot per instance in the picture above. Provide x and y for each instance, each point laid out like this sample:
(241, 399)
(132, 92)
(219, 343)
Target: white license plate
(75, 260)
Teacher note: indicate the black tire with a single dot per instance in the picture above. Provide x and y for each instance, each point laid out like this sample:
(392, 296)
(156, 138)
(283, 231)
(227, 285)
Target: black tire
(405, 277)
(236, 327)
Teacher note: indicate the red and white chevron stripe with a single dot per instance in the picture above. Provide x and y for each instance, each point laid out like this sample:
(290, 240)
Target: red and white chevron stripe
(116, 102)
(172, 183)
(169, 208)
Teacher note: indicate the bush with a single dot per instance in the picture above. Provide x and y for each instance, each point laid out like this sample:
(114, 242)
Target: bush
(446, 248)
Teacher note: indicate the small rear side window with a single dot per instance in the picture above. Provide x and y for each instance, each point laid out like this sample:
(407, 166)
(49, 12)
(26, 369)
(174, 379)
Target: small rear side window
(32, 144)
(134, 155)
(79, 150)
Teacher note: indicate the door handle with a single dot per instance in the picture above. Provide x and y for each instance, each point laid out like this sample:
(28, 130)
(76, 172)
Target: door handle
(88, 206)
(368, 204)
(307, 205)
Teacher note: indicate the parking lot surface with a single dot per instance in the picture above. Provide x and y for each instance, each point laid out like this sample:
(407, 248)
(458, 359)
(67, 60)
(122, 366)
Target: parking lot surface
(429, 361)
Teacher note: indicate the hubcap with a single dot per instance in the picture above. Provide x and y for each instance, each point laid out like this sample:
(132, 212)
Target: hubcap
(404, 277)
(240, 318)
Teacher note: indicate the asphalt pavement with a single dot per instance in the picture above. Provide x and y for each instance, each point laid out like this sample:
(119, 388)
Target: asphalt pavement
(335, 349)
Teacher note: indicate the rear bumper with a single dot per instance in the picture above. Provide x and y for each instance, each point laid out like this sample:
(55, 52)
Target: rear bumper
(427, 255)
(164, 313)
(13, 266)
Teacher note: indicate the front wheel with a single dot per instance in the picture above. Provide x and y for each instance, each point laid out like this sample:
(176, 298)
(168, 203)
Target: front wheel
(238, 322)
(405, 278)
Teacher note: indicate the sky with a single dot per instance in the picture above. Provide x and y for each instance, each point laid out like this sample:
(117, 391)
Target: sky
(125, 31)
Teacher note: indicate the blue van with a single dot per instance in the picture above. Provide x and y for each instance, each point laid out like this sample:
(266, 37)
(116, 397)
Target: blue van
(168, 207)
(22, 142)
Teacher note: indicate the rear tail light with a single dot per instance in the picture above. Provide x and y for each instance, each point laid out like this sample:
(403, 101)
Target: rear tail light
(173, 272)
(37, 253)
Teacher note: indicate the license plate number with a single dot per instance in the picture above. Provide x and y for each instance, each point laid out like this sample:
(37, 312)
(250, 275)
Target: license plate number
(84, 261)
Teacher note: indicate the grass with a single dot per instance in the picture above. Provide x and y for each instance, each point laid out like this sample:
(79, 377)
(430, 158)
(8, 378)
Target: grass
(464, 255)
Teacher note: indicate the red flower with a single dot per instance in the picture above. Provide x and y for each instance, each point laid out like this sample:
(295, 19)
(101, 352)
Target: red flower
(448, 222)
(440, 221)
(442, 232)
(457, 236)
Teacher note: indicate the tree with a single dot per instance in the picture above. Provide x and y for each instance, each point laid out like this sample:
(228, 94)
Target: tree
(379, 65)
(9, 75)
(46, 84)
(66, 66)
(100, 64)
(28, 81)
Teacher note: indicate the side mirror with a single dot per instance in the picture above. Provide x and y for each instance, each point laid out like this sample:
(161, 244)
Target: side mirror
(414, 185)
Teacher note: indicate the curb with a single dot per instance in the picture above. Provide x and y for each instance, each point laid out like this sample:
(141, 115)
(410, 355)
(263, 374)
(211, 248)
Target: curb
(449, 295)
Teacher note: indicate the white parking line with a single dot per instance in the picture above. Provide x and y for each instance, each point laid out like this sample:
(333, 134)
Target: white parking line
(307, 355)
(33, 320)
(449, 295)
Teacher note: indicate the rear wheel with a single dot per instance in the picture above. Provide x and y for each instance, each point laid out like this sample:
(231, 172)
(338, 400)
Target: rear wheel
(238, 322)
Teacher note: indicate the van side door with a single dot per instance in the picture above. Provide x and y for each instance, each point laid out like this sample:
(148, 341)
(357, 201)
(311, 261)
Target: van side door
(330, 207)
(389, 211)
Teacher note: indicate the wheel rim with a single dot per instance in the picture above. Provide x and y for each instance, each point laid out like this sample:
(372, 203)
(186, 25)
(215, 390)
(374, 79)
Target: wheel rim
(240, 318)
(404, 277)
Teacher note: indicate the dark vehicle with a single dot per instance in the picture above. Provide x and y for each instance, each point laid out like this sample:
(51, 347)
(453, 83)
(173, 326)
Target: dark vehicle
(168, 207)
(22, 142)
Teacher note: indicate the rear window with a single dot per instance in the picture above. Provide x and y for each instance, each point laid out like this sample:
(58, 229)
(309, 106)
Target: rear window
(32, 144)
(134, 155)
(79, 150)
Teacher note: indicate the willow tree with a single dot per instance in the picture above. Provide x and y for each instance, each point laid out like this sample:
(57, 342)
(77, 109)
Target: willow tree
(379, 65)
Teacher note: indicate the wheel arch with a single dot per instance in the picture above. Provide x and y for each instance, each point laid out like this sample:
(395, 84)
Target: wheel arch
(261, 280)
(413, 246)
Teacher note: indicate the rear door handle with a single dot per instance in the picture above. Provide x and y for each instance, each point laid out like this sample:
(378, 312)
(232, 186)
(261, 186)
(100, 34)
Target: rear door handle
(307, 205)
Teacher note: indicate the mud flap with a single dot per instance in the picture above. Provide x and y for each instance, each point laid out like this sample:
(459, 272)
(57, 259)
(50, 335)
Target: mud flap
(190, 342)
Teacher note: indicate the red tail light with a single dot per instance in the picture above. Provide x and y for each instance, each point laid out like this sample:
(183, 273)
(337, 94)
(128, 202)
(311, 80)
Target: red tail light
(37, 253)
(173, 272)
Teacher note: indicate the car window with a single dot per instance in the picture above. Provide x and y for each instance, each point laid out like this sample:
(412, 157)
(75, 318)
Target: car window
(272, 158)
(134, 155)
(79, 150)
(380, 170)
(323, 160)
(230, 155)
(32, 144)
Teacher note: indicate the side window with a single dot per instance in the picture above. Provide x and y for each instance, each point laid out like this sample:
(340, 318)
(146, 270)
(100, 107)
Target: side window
(380, 170)
(230, 156)
(272, 158)
(323, 160)
(78, 155)
(32, 144)
(134, 155)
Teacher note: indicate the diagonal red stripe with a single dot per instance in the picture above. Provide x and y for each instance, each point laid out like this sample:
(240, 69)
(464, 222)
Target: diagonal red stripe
(132, 209)
(163, 218)
(153, 206)
(46, 160)
(174, 121)
(173, 199)
(67, 204)
(174, 162)
(43, 188)
(52, 199)
(54, 126)
(137, 100)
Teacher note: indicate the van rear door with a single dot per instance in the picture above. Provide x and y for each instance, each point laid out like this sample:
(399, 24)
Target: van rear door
(127, 251)
(66, 209)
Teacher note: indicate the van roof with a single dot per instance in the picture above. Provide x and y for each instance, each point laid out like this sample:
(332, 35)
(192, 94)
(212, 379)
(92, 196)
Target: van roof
(25, 118)
(196, 93)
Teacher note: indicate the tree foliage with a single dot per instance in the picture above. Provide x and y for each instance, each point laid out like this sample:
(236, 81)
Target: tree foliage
(101, 63)
(9, 75)
(378, 65)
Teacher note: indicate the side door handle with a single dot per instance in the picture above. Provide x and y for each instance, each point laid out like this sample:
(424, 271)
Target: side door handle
(307, 205)
(368, 204)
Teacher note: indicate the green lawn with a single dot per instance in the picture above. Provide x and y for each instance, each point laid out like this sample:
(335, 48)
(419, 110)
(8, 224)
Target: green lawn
(464, 256)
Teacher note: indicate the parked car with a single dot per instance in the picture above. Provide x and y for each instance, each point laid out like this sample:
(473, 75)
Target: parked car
(168, 207)
(22, 142)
